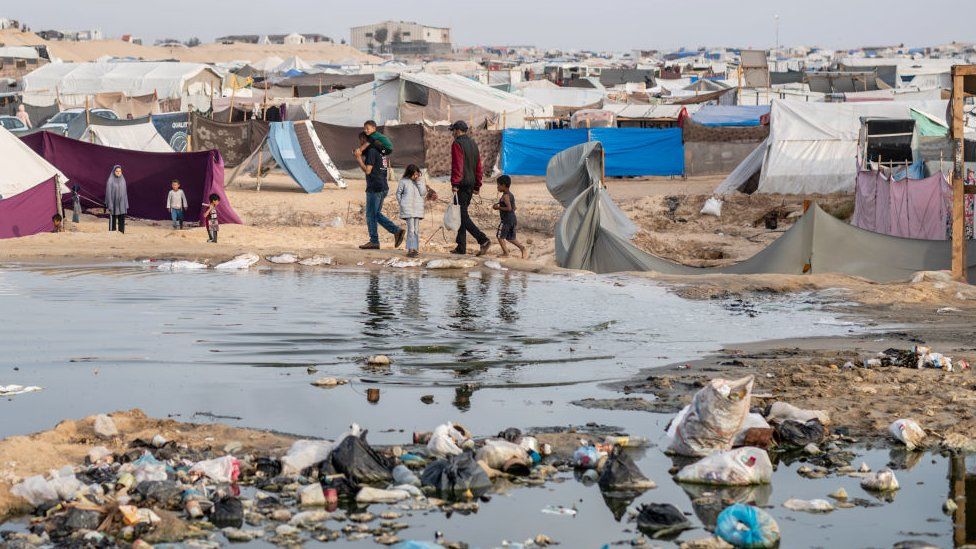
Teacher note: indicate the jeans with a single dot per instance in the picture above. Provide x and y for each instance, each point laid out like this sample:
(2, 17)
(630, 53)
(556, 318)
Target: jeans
(177, 215)
(116, 221)
(413, 233)
(467, 224)
(374, 215)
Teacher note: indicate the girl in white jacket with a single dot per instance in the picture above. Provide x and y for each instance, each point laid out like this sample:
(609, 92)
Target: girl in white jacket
(411, 194)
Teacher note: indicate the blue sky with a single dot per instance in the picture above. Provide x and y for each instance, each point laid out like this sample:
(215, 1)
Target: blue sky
(616, 25)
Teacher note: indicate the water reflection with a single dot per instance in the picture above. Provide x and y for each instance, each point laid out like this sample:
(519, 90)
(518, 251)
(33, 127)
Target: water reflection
(962, 485)
(378, 312)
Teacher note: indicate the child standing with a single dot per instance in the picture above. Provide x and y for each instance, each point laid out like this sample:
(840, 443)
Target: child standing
(176, 204)
(411, 193)
(506, 211)
(212, 225)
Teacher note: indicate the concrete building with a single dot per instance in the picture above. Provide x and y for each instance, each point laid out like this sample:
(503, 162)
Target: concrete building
(401, 37)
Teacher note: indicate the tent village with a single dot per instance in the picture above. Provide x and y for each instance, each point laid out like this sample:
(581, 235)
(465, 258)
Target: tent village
(820, 198)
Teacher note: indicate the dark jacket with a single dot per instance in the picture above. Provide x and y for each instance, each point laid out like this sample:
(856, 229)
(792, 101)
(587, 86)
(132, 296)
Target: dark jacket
(466, 168)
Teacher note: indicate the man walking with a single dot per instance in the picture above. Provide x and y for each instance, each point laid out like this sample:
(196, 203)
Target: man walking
(466, 173)
(376, 167)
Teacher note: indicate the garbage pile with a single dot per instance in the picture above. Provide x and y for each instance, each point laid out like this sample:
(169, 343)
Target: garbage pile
(918, 357)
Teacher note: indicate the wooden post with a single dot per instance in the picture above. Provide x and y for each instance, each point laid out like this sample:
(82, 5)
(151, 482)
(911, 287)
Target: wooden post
(57, 196)
(260, 164)
(230, 111)
(313, 110)
(959, 73)
(189, 130)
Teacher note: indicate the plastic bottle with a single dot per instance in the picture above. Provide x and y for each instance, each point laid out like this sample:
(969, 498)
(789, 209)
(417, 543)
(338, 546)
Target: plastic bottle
(402, 475)
(628, 441)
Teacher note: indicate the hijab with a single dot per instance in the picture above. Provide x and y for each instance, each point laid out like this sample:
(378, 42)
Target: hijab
(116, 195)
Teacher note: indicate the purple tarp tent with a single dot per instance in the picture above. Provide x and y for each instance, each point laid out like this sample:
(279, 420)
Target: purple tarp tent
(147, 175)
(29, 212)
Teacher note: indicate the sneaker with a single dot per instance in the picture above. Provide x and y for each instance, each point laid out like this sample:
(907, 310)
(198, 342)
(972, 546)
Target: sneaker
(369, 246)
(483, 249)
(398, 238)
(458, 251)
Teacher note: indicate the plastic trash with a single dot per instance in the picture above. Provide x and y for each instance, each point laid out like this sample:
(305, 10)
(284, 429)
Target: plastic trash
(747, 527)
(713, 207)
(329, 382)
(622, 474)
(716, 414)
(809, 506)
(451, 264)
(311, 496)
(413, 544)
(739, 467)
(908, 432)
(180, 265)
(358, 461)
(368, 494)
(222, 469)
(456, 476)
(316, 261)
(228, 512)
(928, 359)
(797, 434)
(99, 453)
(781, 411)
(243, 261)
(446, 440)
(452, 216)
(11, 390)
(105, 426)
(494, 265)
(752, 421)
(587, 457)
(147, 467)
(403, 475)
(304, 454)
(661, 520)
(283, 259)
(499, 454)
(36, 490)
(559, 510)
(882, 481)
(512, 434)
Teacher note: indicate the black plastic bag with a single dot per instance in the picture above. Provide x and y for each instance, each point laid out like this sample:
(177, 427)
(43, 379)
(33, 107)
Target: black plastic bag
(511, 434)
(269, 467)
(455, 476)
(228, 512)
(621, 474)
(162, 493)
(661, 520)
(794, 433)
(358, 461)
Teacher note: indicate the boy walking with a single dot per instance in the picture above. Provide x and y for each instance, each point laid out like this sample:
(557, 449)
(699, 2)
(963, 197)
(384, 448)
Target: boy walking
(506, 213)
(176, 204)
(376, 167)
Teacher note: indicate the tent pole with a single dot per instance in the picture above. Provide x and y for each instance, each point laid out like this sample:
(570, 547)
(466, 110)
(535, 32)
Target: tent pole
(260, 164)
(959, 73)
(230, 111)
(57, 196)
(189, 130)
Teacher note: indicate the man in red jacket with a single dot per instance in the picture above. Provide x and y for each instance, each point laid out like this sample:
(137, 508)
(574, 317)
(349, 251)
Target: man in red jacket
(466, 173)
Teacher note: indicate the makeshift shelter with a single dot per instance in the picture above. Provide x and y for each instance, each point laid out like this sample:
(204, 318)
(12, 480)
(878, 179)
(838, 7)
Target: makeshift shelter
(30, 189)
(23, 169)
(293, 64)
(173, 127)
(147, 174)
(312, 85)
(907, 208)
(630, 151)
(134, 135)
(718, 149)
(439, 140)
(296, 147)
(591, 236)
(737, 115)
(193, 84)
(426, 98)
(339, 141)
(564, 101)
(649, 116)
(235, 141)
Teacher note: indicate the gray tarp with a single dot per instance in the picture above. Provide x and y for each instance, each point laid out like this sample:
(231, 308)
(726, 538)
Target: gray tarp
(590, 237)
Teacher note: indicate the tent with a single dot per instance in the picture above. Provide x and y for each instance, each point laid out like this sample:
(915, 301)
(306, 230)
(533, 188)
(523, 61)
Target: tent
(71, 83)
(141, 136)
(590, 235)
(426, 98)
(23, 169)
(295, 146)
(812, 147)
(408, 144)
(147, 174)
(630, 151)
(738, 115)
(173, 127)
(294, 65)
(30, 211)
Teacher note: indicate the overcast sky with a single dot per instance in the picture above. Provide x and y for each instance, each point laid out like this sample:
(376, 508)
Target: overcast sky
(568, 24)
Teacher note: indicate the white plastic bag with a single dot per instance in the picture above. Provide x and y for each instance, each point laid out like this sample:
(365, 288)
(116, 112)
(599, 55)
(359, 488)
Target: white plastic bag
(740, 467)
(105, 427)
(908, 432)
(304, 454)
(36, 490)
(713, 206)
(496, 452)
(811, 506)
(882, 481)
(368, 494)
(716, 414)
(222, 469)
(451, 264)
(782, 411)
(243, 261)
(445, 441)
(452, 216)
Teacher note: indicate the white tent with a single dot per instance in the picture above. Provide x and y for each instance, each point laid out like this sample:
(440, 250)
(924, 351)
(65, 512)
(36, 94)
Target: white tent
(268, 64)
(812, 147)
(134, 137)
(73, 82)
(23, 169)
(292, 63)
(563, 97)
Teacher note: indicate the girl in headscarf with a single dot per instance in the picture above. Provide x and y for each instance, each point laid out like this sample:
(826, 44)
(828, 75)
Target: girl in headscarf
(116, 200)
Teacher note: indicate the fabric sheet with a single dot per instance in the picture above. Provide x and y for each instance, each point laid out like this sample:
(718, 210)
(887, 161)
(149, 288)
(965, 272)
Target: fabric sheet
(147, 174)
(173, 126)
(137, 137)
(408, 143)
(235, 141)
(908, 208)
(29, 212)
(287, 152)
(315, 154)
(438, 141)
(739, 115)
(527, 152)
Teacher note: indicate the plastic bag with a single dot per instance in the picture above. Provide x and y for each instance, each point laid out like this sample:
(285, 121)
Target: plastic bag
(452, 216)
(357, 460)
(747, 527)
(716, 414)
(739, 467)
(660, 520)
(782, 411)
(882, 481)
(908, 432)
(451, 264)
(713, 206)
(105, 427)
(304, 454)
(752, 421)
(446, 441)
(402, 475)
(36, 490)
(928, 359)
(368, 494)
(811, 506)
(797, 434)
(622, 474)
(497, 454)
(222, 469)
(243, 261)
(228, 512)
(455, 476)
(148, 467)
(587, 457)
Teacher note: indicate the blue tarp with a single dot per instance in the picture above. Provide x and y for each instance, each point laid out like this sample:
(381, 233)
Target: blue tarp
(721, 115)
(629, 151)
(288, 154)
(641, 151)
(527, 152)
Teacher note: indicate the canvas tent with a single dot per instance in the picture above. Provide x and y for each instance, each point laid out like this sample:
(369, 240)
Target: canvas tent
(591, 236)
(29, 189)
(147, 175)
(23, 169)
(70, 83)
(140, 135)
(426, 98)
(296, 147)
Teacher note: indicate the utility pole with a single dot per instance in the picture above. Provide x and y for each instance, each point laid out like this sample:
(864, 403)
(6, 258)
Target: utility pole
(776, 51)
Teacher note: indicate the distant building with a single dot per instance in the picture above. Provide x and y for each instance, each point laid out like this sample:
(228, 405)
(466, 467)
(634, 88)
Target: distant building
(296, 38)
(401, 38)
(132, 39)
(239, 39)
(71, 36)
(8, 23)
